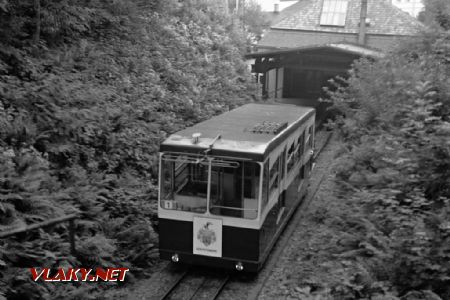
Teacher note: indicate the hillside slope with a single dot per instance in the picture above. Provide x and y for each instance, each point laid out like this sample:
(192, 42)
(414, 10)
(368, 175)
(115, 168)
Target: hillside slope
(87, 92)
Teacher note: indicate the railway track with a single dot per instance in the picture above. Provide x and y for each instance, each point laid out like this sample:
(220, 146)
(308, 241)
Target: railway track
(179, 282)
(324, 138)
(193, 284)
(259, 283)
(196, 284)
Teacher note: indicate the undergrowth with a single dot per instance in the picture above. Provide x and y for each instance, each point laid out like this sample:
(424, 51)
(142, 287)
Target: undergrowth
(88, 90)
(395, 168)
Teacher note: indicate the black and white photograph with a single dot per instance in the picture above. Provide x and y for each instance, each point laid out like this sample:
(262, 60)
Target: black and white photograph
(225, 149)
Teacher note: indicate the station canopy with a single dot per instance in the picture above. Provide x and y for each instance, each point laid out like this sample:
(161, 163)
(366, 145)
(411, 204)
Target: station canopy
(345, 48)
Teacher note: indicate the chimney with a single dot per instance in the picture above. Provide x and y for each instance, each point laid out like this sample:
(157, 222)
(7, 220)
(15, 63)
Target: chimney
(362, 23)
(276, 8)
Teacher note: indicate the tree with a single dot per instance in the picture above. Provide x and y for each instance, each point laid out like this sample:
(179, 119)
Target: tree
(397, 160)
(3, 5)
(436, 13)
(82, 118)
(254, 20)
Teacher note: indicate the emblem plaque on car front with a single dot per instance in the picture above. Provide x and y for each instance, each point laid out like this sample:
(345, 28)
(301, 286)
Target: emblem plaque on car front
(207, 236)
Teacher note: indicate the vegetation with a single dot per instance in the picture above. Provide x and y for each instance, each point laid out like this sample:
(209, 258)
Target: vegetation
(436, 14)
(254, 21)
(395, 164)
(88, 89)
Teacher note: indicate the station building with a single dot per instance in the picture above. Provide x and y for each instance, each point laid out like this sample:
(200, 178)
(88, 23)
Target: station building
(313, 41)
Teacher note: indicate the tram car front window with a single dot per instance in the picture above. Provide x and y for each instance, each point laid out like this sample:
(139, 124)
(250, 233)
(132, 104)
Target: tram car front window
(233, 185)
(184, 183)
(234, 190)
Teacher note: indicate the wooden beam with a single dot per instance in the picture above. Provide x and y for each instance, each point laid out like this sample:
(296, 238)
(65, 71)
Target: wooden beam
(38, 225)
(319, 68)
(70, 218)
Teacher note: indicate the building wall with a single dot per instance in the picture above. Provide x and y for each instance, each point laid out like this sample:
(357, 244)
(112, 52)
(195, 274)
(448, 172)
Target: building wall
(274, 83)
(280, 83)
(297, 38)
(271, 83)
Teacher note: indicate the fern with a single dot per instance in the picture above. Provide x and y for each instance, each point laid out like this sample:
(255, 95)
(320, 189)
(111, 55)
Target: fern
(82, 112)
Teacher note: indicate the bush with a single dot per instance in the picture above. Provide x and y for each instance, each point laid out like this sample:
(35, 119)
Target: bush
(85, 99)
(397, 158)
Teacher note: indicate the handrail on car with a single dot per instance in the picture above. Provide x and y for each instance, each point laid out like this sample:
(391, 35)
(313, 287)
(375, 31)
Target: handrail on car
(234, 208)
(70, 218)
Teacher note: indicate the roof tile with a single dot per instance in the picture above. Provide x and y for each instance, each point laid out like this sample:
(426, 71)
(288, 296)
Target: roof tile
(384, 17)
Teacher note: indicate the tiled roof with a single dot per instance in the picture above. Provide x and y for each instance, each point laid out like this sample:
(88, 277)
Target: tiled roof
(384, 17)
(277, 17)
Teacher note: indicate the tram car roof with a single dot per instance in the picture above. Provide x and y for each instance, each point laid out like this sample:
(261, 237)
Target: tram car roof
(250, 131)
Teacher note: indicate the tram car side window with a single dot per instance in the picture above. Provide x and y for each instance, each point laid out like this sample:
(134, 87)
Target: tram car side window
(234, 190)
(290, 160)
(301, 144)
(311, 135)
(265, 186)
(274, 174)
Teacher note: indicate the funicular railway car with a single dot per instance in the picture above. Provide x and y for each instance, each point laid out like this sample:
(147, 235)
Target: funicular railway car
(228, 185)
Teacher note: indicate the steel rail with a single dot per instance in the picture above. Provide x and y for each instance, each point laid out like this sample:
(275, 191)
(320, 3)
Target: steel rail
(220, 288)
(174, 285)
(197, 289)
(200, 288)
(288, 232)
(284, 239)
